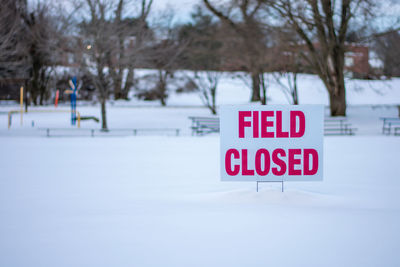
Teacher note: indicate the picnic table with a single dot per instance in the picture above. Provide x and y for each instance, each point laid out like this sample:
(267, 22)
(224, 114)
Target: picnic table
(390, 123)
(338, 126)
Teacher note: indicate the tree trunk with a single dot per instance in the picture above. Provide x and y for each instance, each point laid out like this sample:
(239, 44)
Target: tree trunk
(255, 96)
(337, 101)
(214, 100)
(41, 97)
(34, 97)
(33, 86)
(42, 86)
(117, 88)
(336, 86)
(128, 84)
(162, 87)
(162, 101)
(295, 95)
(103, 116)
(263, 89)
(213, 110)
(27, 98)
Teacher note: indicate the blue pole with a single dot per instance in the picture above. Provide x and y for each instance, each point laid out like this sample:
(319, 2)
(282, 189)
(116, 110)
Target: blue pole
(73, 101)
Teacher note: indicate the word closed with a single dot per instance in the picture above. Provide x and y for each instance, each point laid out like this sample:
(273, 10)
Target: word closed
(271, 143)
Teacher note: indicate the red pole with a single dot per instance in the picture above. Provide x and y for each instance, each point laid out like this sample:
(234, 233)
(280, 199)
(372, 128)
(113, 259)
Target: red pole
(56, 102)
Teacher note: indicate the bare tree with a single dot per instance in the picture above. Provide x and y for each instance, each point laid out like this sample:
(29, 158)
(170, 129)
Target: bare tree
(164, 59)
(111, 44)
(29, 42)
(132, 34)
(206, 84)
(287, 81)
(11, 23)
(12, 45)
(243, 17)
(203, 54)
(323, 25)
(99, 33)
(287, 62)
(42, 44)
(163, 55)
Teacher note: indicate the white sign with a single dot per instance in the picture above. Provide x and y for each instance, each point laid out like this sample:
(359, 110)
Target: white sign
(271, 143)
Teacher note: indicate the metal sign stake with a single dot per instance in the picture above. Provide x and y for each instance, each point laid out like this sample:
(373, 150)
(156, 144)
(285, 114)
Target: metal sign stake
(269, 182)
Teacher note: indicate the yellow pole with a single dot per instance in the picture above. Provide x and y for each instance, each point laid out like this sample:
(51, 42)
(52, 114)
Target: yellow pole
(79, 119)
(21, 100)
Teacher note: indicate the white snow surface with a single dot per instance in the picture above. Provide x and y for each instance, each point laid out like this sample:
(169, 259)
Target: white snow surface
(157, 200)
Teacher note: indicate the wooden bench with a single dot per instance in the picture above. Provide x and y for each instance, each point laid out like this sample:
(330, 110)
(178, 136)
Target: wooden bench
(204, 125)
(397, 131)
(99, 132)
(338, 126)
(387, 125)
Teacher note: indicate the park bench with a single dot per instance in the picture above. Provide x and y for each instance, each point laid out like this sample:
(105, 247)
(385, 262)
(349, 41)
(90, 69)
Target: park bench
(338, 126)
(388, 124)
(204, 125)
(69, 132)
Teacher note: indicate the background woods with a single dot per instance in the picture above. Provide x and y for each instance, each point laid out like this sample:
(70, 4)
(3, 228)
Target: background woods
(105, 43)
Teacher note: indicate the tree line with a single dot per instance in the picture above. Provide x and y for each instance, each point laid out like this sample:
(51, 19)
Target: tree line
(110, 39)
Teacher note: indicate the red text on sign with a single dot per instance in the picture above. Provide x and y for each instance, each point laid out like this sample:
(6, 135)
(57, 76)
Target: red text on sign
(293, 162)
(268, 124)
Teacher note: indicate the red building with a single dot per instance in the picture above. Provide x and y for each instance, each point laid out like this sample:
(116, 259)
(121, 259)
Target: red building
(357, 60)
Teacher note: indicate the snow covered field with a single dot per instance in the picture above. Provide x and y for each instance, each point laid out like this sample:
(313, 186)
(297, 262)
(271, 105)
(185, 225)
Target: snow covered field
(365, 118)
(158, 200)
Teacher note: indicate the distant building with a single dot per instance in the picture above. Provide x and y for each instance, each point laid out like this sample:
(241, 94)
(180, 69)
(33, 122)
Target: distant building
(356, 61)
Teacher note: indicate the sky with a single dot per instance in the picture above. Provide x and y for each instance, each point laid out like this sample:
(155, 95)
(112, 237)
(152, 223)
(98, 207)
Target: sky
(183, 8)
(389, 11)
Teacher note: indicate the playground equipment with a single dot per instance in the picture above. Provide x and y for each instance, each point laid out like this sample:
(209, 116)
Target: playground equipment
(75, 115)
(72, 92)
